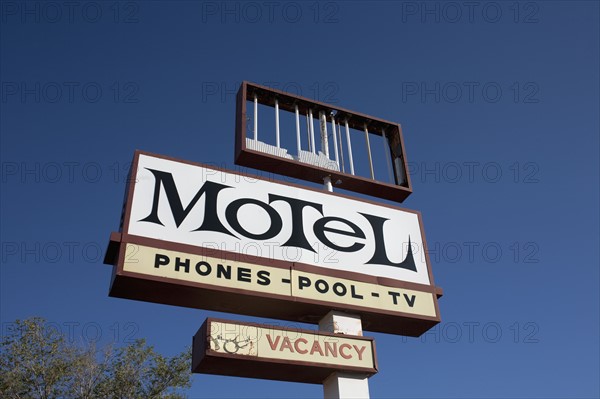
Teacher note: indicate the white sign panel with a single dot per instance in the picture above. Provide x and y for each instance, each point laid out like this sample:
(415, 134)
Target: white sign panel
(200, 206)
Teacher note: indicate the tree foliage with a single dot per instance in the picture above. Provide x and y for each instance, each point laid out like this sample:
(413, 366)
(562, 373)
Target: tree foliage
(39, 363)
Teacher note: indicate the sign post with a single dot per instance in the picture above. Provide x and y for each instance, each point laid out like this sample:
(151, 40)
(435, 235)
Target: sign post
(340, 385)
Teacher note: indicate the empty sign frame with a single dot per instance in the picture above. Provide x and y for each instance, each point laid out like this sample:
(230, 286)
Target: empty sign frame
(314, 141)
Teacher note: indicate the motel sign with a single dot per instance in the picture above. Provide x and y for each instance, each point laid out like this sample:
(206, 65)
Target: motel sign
(208, 238)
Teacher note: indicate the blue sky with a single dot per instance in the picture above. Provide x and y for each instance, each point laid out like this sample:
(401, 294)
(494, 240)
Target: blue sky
(499, 104)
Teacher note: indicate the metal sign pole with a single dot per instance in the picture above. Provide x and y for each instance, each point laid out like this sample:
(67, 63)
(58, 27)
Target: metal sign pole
(340, 385)
(344, 385)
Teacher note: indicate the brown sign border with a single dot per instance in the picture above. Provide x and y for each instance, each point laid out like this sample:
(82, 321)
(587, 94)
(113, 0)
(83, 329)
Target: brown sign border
(197, 295)
(207, 361)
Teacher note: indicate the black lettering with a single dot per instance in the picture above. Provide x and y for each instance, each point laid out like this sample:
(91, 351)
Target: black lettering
(320, 228)
(231, 213)
(244, 275)
(211, 221)
(161, 260)
(395, 296)
(380, 256)
(297, 238)
(411, 301)
(224, 271)
(321, 286)
(303, 282)
(340, 289)
(263, 277)
(179, 264)
(353, 292)
(199, 268)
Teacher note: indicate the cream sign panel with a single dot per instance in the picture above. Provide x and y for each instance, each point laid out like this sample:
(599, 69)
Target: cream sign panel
(293, 345)
(199, 206)
(289, 283)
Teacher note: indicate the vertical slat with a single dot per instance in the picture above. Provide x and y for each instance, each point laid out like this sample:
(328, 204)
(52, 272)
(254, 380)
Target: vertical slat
(308, 133)
(339, 132)
(350, 159)
(312, 132)
(388, 156)
(255, 117)
(298, 143)
(335, 143)
(369, 152)
(277, 123)
(324, 138)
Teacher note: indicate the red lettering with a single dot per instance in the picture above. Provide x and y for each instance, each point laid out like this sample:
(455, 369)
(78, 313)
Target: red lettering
(286, 344)
(331, 348)
(272, 344)
(316, 348)
(345, 356)
(297, 347)
(360, 352)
